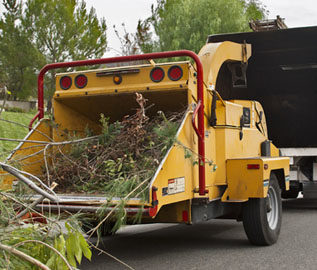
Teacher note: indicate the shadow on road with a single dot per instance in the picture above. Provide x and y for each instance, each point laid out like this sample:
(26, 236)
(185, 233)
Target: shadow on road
(159, 246)
(299, 203)
(170, 243)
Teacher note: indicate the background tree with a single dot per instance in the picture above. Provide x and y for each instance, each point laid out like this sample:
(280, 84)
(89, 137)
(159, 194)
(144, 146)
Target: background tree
(18, 57)
(185, 24)
(36, 32)
(63, 30)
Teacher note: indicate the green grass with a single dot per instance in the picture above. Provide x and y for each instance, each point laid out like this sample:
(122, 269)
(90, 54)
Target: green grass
(12, 131)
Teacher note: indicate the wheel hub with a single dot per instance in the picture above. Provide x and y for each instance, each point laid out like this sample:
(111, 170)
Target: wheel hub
(272, 208)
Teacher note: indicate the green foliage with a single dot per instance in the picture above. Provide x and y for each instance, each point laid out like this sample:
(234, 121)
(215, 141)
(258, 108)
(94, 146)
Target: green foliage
(166, 132)
(72, 246)
(109, 130)
(39, 240)
(186, 24)
(44, 32)
(12, 131)
(124, 155)
(18, 56)
(14, 109)
(20, 234)
(119, 164)
(64, 30)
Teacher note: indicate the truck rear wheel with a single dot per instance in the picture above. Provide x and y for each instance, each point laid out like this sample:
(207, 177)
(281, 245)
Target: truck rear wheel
(262, 217)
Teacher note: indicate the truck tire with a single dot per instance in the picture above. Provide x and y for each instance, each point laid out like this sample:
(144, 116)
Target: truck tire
(262, 217)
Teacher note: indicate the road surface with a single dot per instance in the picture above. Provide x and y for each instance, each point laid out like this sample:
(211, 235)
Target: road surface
(217, 244)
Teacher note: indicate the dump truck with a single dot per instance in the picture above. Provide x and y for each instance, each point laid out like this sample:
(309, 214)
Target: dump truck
(247, 174)
(281, 75)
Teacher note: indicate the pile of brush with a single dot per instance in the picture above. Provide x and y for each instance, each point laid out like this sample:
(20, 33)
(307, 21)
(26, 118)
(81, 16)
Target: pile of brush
(126, 154)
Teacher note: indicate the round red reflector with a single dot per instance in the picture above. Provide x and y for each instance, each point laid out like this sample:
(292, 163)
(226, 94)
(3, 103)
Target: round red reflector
(81, 81)
(65, 82)
(157, 74)
(175, 73)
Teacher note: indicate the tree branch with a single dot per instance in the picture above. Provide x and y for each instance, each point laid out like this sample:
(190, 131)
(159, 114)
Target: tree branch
(50, 247)
(24, 256)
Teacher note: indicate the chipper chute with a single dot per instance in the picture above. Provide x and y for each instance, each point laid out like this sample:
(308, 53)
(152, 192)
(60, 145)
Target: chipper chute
(80, 108)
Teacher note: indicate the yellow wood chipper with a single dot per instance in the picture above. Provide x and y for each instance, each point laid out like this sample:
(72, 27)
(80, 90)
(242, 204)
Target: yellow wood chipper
(239, 173)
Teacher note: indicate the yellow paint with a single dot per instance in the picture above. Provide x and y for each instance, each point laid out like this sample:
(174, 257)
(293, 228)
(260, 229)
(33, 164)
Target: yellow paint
(228, 115)
(244, 183)
(30, 156)
(131, 82)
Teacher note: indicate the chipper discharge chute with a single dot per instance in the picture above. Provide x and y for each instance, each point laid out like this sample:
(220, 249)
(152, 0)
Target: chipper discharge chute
(223, 166)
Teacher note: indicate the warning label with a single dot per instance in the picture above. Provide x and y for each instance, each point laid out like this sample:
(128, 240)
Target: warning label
(176, 185)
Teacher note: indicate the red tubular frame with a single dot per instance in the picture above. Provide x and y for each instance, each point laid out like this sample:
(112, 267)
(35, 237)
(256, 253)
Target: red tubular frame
(200, 94)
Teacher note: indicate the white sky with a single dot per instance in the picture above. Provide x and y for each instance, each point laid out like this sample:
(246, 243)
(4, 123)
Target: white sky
(296, 13)
(117, 12)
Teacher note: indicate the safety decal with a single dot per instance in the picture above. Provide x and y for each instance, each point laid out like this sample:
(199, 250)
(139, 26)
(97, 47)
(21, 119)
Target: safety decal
(176, 185)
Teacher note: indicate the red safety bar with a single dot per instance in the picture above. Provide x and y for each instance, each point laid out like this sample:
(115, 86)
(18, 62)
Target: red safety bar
(200, 94)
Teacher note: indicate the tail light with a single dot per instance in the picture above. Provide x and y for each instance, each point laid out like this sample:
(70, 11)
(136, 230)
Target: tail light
(253, 166)
(185, 216)
(81, 81)
(157, 74)
(65, 82)
(175, 73)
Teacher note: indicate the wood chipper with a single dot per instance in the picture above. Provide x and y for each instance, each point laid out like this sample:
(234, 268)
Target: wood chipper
(238, 173)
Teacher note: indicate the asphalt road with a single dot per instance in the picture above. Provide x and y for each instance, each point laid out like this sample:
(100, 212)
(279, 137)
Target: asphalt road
(217, 244)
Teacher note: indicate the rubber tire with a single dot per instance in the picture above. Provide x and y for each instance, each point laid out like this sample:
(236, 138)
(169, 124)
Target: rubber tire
(255, 221)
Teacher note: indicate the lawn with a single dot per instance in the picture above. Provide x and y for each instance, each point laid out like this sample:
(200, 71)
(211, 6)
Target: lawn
(12, 131)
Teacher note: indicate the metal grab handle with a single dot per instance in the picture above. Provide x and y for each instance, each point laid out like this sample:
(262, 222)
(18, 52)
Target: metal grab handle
(194, 119)
(33, 120)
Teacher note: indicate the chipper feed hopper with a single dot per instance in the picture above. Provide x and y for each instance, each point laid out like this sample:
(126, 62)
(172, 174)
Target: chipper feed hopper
(235, 171)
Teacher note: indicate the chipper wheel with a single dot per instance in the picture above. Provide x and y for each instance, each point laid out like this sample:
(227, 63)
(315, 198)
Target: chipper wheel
(262, 217)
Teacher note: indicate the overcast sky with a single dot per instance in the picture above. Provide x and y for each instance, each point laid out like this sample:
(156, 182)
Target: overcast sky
(296, 13)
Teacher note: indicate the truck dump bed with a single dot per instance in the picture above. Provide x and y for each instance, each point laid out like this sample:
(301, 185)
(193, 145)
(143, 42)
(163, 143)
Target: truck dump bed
(282, 76)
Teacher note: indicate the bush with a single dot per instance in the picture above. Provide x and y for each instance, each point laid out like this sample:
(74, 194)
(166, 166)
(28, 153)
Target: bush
(14, 109)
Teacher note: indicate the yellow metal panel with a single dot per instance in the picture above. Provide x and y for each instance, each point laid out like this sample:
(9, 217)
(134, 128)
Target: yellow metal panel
(176, 166)
(132, 82)
(275, 163)
(29, 155)
(213, 55)
(229, 114)
(116, 106)
(229, 146)
(71, 122)
(275, 152)
(244, 183)
(174, 212)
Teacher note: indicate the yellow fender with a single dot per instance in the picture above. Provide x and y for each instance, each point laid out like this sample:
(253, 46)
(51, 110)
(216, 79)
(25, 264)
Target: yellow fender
(249, 177)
